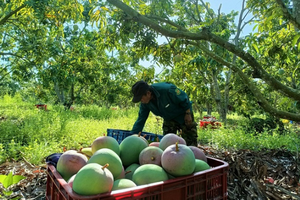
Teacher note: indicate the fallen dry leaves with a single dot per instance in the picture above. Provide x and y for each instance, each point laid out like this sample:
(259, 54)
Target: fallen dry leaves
(267, 174)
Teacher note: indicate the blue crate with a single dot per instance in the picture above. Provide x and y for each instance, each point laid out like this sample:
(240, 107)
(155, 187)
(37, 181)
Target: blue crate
(119, 135)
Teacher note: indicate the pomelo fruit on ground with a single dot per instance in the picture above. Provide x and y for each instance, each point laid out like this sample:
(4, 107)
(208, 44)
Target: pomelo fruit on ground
(130, 149)
(69, 163)
(149, 173)
(105, 155)
(93, 179)
(178, 160)
(122, 184)
(106, 142)
(199, 154)
(150, 155)
(130, 170)
(170, 139)
(201, 165)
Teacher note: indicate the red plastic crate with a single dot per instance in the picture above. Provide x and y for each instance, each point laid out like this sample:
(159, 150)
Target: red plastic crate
(205, 124)
(208, 184)
(41, 106)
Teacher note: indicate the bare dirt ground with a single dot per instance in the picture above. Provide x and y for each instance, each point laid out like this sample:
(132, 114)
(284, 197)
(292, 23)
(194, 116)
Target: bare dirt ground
(268, 174)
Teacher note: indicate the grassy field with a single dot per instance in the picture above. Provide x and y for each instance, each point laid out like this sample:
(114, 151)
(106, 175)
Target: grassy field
(30, 133)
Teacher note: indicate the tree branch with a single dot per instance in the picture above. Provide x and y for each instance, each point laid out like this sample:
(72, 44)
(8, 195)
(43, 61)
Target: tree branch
(247, 22)
(264, 103)
(10, 54)
(4, 19)
(4, 75)
(207, 9)
(167, 21)
(197, 9)
(287, 14)
(241, 19)
(206, 35)
(192, 15)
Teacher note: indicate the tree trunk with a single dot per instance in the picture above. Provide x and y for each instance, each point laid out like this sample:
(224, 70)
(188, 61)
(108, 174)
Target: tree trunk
(226, 94)
(198, 108)
(296, 10)
(59, 93)
(208, 103)
(72, 95)
(218, 99)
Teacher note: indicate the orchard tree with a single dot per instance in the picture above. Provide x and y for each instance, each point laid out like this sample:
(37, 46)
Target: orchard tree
(251, 56)
(64, 46)
(30, 32)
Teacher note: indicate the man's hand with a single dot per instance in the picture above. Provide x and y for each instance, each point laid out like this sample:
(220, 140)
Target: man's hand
(188, 120)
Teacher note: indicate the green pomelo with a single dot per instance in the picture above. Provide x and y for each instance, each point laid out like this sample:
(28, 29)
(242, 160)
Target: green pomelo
(103, 156)
(93, 179)
(149, 173)
(106, 142)
(178, 58)
(145, 140)
(130, 149)
(122, 175)
(156, 144)
(130, 170)
(170, 176)
(170, 139)
(75, 27)
(178, 160)
(122, 184)
(131, 35)
(199, 154)
(87, 151)
(69, 163)
(201, 165)
(150, 155)
(70, 181)
(280, 71)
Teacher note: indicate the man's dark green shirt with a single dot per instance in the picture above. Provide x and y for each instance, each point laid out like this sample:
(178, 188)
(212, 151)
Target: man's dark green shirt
(170, 103)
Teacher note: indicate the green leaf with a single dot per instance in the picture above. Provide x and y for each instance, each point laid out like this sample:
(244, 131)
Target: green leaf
(17, 178)
(7, 193)
(255, 47)
(104, 8)
(2, 178)
(296, 38)
(8, 181)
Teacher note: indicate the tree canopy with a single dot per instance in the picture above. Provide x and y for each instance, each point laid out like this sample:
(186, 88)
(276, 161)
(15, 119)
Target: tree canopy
(90, 52)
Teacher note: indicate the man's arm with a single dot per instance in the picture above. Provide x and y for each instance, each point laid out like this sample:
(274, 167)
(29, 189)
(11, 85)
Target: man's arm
(141, 120)
(188, 118)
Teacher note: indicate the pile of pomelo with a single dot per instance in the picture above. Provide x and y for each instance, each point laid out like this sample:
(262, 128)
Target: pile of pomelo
(107, 165)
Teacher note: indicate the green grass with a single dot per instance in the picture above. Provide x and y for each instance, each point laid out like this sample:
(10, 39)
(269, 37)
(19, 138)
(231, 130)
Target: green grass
(32, 134)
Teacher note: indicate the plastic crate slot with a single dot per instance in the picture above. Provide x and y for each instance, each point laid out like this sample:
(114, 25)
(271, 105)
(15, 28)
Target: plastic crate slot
(199, 188)
(215, 182)
(120, 135)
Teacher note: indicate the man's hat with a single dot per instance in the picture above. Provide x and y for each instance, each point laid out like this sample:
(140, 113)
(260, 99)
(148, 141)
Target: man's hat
(138, 90)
